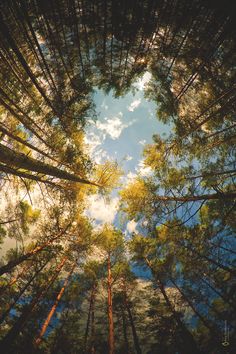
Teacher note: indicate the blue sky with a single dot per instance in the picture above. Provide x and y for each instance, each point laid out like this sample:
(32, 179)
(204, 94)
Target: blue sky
(123, 127)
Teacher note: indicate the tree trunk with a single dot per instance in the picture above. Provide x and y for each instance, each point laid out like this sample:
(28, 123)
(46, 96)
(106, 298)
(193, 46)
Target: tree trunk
(12, 264)
(194, 198)
(93, 322)
(13, 45)
(212, 174)
(189, 302)
(53, 309)
(9, 307)
(10, 337)
(20, 160)
(187, 343)
(110, 311)
(91, 309)
(14, 279)
(25, 142)
(124, 325)
(15, 172)
(8, 221)
(135, 336)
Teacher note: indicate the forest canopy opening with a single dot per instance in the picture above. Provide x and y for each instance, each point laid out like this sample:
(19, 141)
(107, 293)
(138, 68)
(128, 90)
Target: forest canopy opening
(117, 176)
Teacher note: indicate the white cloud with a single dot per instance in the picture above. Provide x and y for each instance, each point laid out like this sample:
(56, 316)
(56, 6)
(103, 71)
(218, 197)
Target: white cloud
(134, 105)
(145, 223)
(113, 126)
(141, 82)
(143, 170)
(151, 115)
(128, 158)
(93, 140)
(100, 156)
(142, 142)
(104, 105)
(102, 211)
(128, 178)
(131, 176)
(131, 226)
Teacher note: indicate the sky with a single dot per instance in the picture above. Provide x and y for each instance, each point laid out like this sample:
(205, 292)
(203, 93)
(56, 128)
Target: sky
(123, 126)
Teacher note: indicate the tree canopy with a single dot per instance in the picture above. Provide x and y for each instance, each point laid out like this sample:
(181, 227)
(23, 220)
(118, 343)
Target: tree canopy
(71, 286)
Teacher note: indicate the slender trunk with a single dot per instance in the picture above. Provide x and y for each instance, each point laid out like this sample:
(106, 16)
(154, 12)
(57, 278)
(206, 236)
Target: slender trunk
(10, 337)
(124, 325)
(24, 142)
(223, 248)
(91, 304)
(187, 343)
(110, 310)
(213, 173)
(9, 307)
(38, 340)
(13, 45)
(194, 198)
(213, 114)
(188, 338)
(181, 46)
(26, 15)
(8, 221)
(218, 132)
(93, 322)
(222, 296)
(187, 300)
(217, 100)
(134, 333)
(210, 260)
(20, 160)
(14, 279)
(15, 172)
(22, 119)
(220, 142)
(12, 105)
(12, 264)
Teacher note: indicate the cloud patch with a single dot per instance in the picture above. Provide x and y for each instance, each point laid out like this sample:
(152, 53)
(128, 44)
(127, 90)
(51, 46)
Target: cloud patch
(102, 211)
(134, 105)
(113, 127)
(142, 142)
(142, 82)
(131, 227)
(143, 170)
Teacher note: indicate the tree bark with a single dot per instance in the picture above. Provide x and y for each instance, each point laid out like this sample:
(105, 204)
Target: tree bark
(90, 312)
(111, 342)
(10, 337)
(187, 343)
(124, 325)
(9, 307)
(25, 142)
(13, 280)
(5, 31)
(189, 302)
(38, 340)
(15, 172)
(12, 264)
(93, 322)
(194, 198)
(135, 336)
(20, 160)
